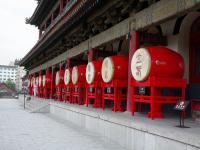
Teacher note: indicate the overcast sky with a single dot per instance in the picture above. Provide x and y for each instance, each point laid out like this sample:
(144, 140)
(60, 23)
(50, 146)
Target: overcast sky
(16, 37)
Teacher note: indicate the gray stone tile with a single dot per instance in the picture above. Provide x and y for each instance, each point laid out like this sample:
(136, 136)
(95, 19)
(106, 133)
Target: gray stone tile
(21, 130)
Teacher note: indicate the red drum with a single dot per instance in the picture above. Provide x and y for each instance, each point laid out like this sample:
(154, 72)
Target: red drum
(59, 78)
(114, 67)
(156, 62)
(43, 80)
(78, 74)
(67, 76)
(48, 79)
(32, 81)
(37, 81)
(93, 71)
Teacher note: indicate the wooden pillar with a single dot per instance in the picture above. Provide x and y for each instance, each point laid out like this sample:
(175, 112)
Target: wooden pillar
(52, 82)
(29, 88)
(34, 84)
(60, 67)
(134, 45)
(91, 55)
(52, 18)
(68, 63)
(45, 88)
(61, 5)
(39, 86)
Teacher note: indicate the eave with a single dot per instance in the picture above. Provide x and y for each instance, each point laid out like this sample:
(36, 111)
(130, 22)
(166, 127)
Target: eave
(63, 25)
(41, 11)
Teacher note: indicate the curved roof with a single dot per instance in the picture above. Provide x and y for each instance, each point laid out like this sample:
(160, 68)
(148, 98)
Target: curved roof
(41, 11)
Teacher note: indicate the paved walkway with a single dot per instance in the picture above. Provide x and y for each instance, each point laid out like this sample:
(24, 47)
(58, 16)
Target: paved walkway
(22, 130)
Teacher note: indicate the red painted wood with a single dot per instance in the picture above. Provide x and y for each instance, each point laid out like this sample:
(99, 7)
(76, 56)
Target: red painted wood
(96, 86)
(60, 86)
(78, 94)
(48, 81)
(68, 89)
(52, 83)
(91, 55)
(156, 99)
(117, 96)
(134, 45)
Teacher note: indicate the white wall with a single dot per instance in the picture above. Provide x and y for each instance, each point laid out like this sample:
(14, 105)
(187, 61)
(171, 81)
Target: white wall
(183, 40)
(180, 42)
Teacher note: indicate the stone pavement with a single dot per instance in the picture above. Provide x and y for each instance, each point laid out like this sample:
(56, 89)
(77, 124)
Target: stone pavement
(22, 130)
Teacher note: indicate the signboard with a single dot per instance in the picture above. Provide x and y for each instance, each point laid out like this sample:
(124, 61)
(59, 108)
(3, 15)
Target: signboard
(181, 105)
(143, 91)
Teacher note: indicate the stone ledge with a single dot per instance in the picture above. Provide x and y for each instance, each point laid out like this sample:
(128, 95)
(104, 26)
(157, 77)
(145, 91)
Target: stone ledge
(159, 128)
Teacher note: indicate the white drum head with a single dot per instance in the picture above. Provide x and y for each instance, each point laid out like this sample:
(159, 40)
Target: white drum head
(43, 80)
(29, 82)
(74, 75)
(40, 80)
(37, 81)
(67, 77)
(107, 69)
(90, 72)
(141, 64)
(57, 81)
(33, 81)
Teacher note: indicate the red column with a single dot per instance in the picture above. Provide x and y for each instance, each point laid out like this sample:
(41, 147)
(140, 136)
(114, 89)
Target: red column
(34, 75)
(134, 45)
(39, 86)
(52, 82)
(68, 62)
(91, 55)
(30, 88)
(45, 87)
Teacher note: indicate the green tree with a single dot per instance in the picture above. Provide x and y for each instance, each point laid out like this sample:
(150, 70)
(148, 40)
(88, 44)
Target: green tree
(10, 84)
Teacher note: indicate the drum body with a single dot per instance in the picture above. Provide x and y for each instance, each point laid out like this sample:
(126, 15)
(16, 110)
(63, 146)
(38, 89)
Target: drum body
(43, 80)
(67, 76)
(48, 80)
(78, 74)
(156, 62)
(40, 81)
(59, 79)
(93, 71)
(37, 81)
(114, 67)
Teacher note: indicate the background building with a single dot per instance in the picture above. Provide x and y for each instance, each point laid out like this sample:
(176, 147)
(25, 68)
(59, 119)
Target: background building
(6, 91)
(19, 74)
(13, 72)
(8, 72)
